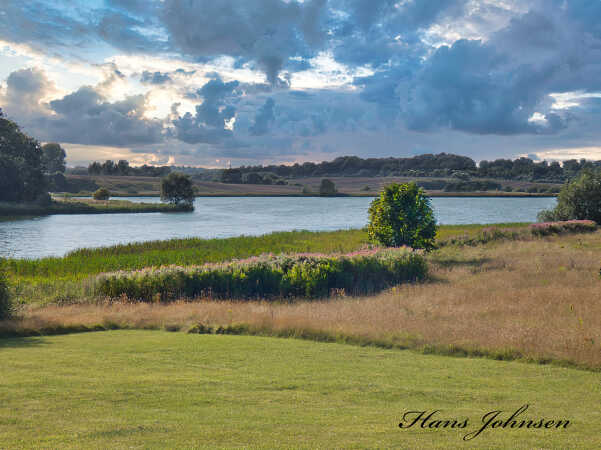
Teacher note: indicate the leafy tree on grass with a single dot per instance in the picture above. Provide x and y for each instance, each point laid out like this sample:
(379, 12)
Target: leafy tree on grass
(327, 187)
(579, 199)
(402, 215)
(177, 188)
(101, 194)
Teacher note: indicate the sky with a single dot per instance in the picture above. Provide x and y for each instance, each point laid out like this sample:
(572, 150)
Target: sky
(213, 82)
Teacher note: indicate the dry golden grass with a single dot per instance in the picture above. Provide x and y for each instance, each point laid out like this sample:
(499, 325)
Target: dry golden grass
(538, 299)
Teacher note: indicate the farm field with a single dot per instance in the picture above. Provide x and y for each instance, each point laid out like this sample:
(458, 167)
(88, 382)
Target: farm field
(150, 186)
(153, 389)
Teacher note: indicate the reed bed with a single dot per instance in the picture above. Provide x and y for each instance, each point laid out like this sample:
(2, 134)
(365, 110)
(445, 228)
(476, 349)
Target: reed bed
(308, 275)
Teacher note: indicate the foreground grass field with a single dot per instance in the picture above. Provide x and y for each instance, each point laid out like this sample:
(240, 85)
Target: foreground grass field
(145, 389)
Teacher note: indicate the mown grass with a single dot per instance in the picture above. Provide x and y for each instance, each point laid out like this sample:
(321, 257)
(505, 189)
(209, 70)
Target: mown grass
(124, 389)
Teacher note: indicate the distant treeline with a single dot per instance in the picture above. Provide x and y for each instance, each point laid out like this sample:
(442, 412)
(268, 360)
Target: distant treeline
(122, 168)
(442, 165)
(428, 165)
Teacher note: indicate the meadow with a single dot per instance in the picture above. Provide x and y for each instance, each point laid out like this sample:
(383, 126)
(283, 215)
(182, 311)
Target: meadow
(513, 294)
(334, 372)
(152, 389)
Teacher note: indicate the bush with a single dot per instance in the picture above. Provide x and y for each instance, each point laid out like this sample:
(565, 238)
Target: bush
(101, 194)
(402, 215)
(569, 226)
(5, 302)
(269, 277)
(579, 199)
(177, 188)
(327, 187)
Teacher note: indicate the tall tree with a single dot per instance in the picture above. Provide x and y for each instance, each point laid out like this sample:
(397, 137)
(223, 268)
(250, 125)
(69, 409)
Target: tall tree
(21, 174)
(53, 158)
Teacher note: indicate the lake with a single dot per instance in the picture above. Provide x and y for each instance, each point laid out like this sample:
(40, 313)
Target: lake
(219, 217)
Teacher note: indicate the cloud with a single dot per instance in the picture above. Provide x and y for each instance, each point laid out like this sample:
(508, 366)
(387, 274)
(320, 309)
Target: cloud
(267, 32)
(209, 124)
(155, 77)
(85, 117)
(81, 117)
(263, 118)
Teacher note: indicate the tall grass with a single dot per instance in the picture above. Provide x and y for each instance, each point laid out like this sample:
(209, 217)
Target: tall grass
(192, 251)
(268, 276)
(63, 279)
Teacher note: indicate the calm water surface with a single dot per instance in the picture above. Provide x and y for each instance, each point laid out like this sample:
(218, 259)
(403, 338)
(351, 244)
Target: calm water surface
(235, 216)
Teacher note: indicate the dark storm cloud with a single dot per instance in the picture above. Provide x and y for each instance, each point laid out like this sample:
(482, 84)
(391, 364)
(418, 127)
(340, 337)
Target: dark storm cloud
(265, 31)
(208, 124)
(263, 118)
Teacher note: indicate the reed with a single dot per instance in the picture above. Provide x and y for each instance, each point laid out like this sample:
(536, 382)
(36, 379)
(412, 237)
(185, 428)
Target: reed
(270, 277)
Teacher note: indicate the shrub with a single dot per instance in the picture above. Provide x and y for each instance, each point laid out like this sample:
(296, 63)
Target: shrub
(177, 188)
(327, 187)
(101, 194)
(569, 226)
(5, 302)
(579, 199)
(269, 276)
(402, 215)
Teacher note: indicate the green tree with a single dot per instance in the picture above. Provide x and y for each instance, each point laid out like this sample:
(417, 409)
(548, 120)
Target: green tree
(53, 158)
(177, 188)
(21, 174)
(327, 187)
(122, 167)
(402, 215)
(102, 194)
(578, 199)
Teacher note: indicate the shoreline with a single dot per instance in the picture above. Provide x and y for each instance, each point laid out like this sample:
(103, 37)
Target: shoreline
(372, 195)
(65, 207)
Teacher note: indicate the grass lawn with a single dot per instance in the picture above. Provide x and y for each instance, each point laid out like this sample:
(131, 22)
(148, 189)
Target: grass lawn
(124, 389)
